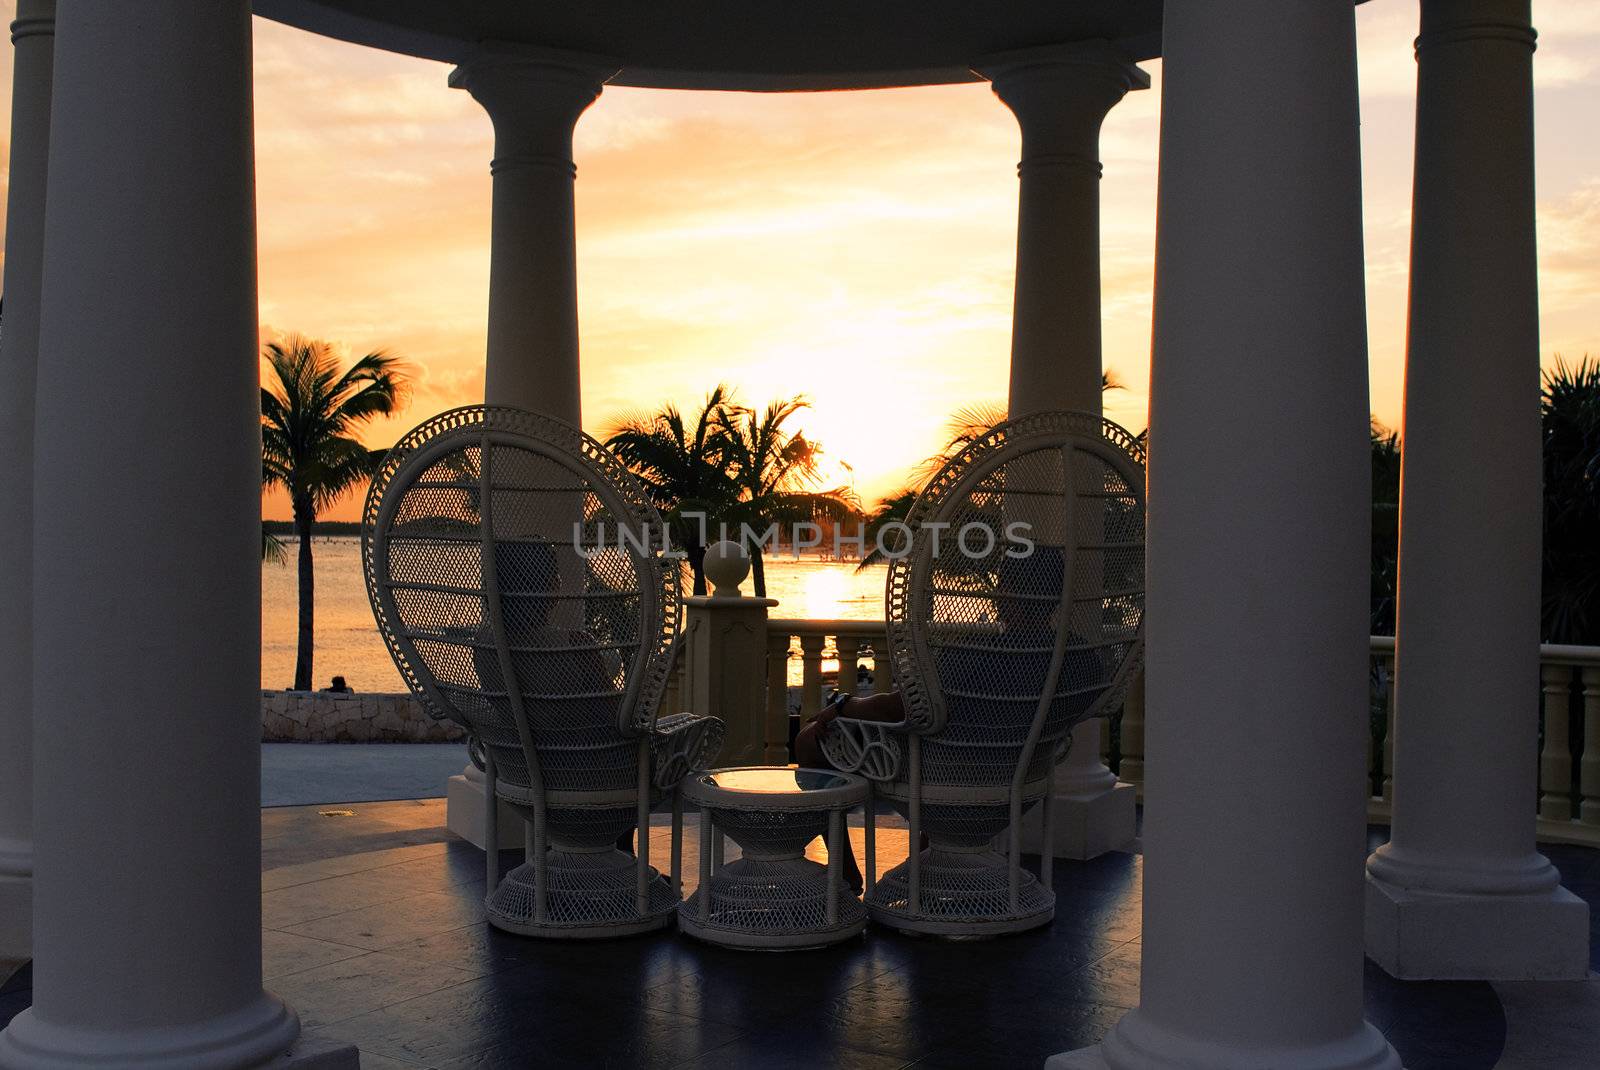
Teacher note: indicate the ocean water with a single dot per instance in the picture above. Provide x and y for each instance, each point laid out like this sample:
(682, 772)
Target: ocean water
(348, 644)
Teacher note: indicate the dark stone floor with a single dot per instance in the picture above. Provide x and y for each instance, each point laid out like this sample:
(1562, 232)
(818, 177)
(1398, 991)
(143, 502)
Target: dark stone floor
(373, 932)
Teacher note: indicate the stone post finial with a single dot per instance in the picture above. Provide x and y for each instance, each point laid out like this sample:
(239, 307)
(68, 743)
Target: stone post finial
(727, 564)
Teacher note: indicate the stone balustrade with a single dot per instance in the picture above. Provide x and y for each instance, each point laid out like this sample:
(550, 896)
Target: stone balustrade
(817, 643)
(326, 717)
(1569, 766)
(1568, 805)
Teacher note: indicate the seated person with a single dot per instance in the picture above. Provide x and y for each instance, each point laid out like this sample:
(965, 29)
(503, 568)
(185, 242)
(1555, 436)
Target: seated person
(1016, 658)
(886, 707)
(585, 673)
(808, 753)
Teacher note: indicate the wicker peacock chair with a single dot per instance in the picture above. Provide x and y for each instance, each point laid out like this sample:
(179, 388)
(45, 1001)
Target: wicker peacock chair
(1001, 643)
(500, 572)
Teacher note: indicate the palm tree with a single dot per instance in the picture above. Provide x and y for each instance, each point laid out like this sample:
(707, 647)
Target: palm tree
(1385, 526)
(308, 413)
(964, 427)
(682, 464)
(775, 473)
(891, 510)
(1570, 404)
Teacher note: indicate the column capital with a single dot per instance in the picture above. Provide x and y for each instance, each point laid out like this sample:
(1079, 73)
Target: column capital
(35, 18)
(534, 97)
(1060, 94)
(1476, 20)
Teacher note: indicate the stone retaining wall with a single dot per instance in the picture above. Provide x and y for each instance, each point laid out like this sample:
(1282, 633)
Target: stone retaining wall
(324, 717)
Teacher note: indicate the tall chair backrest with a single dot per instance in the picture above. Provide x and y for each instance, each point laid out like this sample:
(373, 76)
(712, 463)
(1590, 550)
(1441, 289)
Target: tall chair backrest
(1017, 612)
(507, 570)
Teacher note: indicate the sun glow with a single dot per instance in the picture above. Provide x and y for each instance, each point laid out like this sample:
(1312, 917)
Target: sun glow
(856, 248)
(826, 589)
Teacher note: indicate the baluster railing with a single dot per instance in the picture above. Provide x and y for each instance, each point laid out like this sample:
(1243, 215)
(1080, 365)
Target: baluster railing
(846, 641)
(1555, 757)
(1569, 780)
(849, 647)
(777, 695)
(1589, 765)
(1569, 806)
(1388, 731)
(1380, 735)
(811, 675)
(1567, 809)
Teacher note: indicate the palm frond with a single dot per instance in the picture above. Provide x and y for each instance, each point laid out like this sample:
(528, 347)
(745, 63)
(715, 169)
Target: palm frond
(272, 548)
(309, 407)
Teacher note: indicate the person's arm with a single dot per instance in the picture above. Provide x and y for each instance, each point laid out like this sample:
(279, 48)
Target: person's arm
(886, 707)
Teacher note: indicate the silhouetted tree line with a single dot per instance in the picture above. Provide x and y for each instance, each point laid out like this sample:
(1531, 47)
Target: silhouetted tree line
(728, 464)
(1570, 594)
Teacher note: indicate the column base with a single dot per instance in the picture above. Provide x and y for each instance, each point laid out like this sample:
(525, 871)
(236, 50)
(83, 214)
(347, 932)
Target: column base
(464, 813)
(1088, 825)
(16, 923)
(1433, 936)
(261, 1034)
(1135, 1044)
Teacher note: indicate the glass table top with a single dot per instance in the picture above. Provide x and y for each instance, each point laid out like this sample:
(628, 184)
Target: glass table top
(774, 780)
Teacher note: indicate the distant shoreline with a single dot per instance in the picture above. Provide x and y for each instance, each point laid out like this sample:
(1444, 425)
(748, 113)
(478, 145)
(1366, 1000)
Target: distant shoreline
(321, 527)
(353, 527)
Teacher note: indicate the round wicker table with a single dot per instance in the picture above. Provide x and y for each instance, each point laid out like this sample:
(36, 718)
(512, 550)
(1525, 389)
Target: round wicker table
(772, 897)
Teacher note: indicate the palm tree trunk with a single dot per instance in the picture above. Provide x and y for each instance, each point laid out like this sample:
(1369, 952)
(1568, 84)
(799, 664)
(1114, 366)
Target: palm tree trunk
(697, 565)
(304, 516)
(758, 571)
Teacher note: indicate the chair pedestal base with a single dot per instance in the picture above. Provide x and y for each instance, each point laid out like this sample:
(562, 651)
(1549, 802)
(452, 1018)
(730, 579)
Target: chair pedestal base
(963, 894)
(590, 896)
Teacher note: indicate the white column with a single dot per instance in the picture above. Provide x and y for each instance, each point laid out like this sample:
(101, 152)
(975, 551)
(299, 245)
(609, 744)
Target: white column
(1259, 486)
(1461, 891)
(34, 36)
(147, 625)
(534, 97)
(1060, 94)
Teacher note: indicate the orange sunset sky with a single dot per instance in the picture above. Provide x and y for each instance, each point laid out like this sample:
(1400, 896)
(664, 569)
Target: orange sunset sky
(853, 247)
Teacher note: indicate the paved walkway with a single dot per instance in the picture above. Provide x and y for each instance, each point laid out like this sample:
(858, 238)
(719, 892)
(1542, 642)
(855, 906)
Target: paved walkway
(309, 774)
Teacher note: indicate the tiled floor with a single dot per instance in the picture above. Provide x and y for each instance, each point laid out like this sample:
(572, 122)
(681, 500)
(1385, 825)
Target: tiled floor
(373, 932)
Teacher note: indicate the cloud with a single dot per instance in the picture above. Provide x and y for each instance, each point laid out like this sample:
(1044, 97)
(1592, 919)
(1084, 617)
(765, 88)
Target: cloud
(1568, 52)
(854, 247)
(1569, 273)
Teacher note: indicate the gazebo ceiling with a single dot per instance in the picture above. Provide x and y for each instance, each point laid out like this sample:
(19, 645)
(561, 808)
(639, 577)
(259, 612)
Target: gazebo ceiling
(768, 45)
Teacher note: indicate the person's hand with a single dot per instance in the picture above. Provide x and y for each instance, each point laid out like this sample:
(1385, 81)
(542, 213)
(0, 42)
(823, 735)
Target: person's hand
(827, 715)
